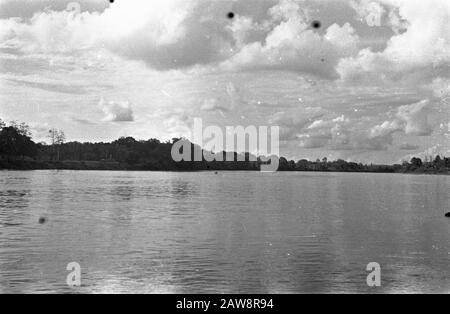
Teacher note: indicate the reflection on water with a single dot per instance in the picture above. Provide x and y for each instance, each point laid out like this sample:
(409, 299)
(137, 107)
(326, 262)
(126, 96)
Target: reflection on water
(235, 232)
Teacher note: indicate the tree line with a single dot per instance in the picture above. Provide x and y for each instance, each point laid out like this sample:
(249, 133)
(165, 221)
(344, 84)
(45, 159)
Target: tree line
(19, 151)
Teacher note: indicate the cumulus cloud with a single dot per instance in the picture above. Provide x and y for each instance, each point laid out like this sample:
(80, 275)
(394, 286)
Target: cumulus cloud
(370, 12)
(245, 30)
(164, 33)
(174, 34)
(344, 133)
(27, 8)
(292, 45)
(415, 118)
(170, 34)
(178, 125)
(422, 50)
(213, 104)
(410, 119)
(339, 133)
(441, 88)
(292, 124)
(116, 111)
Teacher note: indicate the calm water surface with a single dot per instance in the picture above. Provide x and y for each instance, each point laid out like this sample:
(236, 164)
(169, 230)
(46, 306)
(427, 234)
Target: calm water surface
(235, 232)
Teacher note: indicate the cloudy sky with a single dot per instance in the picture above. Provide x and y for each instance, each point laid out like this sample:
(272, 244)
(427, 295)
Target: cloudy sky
(370, 84)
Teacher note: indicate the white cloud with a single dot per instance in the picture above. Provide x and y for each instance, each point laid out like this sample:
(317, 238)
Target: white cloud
(39, 131)
(396, 22)
(370, 12)
(214, 104)
(245, 30)
(154, 31)
(291, 124)
(178, 125)
(27, 8)
(415, 118)
(441, 88)
(343, 133)
(293, 45)
(421, 51)
(171, 34)
(116, 111)
(410, 119)
(385, 129)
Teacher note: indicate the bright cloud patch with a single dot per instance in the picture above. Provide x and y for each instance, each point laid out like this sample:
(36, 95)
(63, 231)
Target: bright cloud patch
(171, 34)
(179, 34)
(422, 50)
(116, 111)
(344, 133)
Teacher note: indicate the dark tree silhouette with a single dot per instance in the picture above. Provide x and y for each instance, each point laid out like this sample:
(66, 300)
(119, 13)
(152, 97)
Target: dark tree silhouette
(13, 142)
(416, 162)
(127, 153)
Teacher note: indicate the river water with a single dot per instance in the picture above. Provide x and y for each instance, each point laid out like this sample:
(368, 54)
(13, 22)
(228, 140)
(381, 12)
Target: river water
(231, 232)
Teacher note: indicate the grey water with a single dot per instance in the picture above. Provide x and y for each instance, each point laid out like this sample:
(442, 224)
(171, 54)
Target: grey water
(231, 232)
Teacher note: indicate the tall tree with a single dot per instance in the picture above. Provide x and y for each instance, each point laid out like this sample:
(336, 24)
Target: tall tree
(57, 138)
(416, 162)
(14, 143)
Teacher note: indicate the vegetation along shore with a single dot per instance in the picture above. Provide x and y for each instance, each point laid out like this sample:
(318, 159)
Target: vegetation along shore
(19, 152)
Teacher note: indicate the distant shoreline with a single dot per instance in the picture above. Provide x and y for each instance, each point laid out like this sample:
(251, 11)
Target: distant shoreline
(19, 152)
(28, 165)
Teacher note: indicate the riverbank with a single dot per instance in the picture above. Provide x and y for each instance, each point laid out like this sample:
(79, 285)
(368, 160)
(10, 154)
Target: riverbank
(19, 152)
(116, 166)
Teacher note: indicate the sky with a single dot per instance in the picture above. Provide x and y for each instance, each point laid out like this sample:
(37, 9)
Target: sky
(370, 84)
